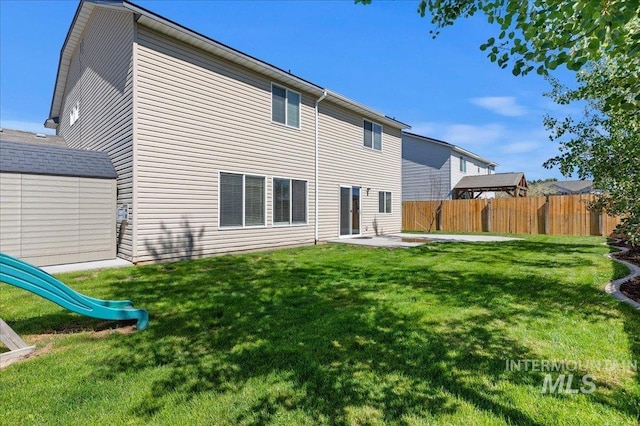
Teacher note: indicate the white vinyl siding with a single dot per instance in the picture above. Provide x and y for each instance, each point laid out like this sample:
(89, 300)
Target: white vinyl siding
(289, 201)
(100, 85)
(285, 106)
(372, 135)
(384, 202)
(198, 115)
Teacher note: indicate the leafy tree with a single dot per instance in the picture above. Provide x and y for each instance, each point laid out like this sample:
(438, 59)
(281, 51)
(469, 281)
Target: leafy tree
(601, 145)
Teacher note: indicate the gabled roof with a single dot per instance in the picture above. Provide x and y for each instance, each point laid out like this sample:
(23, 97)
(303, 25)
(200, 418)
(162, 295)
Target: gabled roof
(495, 180)
(40, 159)
(513, 183)
(10, 135)
(453, 147)
(573, 185)
(186, 35)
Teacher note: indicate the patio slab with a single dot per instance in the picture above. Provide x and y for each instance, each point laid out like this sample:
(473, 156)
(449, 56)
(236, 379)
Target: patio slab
(456, 238)
(379, 241)
(86, 266)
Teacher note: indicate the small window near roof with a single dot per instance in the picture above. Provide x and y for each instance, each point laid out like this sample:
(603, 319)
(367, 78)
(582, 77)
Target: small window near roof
(372, 135)
(463, 164)
(285, 106)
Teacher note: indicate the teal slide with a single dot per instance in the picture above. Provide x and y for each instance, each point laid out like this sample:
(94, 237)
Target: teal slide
(31, 278)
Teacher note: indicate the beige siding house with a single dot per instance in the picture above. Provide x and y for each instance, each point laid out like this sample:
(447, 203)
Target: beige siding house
(215, 150)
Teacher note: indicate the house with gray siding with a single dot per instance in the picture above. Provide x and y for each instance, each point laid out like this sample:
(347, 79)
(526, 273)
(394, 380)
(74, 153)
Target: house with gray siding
(431, 168)
(217, 151)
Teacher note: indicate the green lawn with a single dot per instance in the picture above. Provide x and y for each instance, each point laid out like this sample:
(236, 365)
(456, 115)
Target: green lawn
(335, 334)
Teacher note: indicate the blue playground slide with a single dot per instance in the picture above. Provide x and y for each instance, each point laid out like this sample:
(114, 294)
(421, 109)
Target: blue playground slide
(31, 278)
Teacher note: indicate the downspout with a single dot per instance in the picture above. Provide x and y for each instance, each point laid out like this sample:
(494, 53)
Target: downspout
(316, 205)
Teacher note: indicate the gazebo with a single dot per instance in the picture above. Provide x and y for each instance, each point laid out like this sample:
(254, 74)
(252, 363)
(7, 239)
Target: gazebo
(514, 184)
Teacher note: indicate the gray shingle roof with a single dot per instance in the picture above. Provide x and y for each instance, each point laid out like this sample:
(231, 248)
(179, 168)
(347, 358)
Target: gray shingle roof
(490, 181)
(43, 159)
(10, 135)
(573, 185)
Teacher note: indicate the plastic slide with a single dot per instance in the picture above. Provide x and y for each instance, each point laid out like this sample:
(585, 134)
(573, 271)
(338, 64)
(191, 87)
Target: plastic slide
(31, 278)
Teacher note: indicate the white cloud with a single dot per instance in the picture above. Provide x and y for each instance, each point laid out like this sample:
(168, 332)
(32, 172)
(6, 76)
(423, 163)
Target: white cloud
(27, 126)
(503, 105)
(461, 134)
(521, 147)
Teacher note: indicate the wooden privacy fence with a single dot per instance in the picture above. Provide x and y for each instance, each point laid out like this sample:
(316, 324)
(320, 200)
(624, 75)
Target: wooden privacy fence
(554, 215)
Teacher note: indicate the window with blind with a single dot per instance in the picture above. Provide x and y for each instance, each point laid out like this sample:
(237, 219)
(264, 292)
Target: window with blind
(372, 135)
(285, 106)
(384, 202)
(289, 201)
(242, 200)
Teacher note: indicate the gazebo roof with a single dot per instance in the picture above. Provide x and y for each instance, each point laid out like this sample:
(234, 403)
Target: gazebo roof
(515, 184)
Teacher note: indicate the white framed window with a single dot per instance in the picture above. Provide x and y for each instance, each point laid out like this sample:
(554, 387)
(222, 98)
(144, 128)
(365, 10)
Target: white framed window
(241, 200)
(384, 202)
(372, 135)
(463, 164)
(289, 201)
(285, 106)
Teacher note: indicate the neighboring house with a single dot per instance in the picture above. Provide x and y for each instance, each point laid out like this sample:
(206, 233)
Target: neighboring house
(56, 204)
(431, 168)
(570, 187)
(217, 151)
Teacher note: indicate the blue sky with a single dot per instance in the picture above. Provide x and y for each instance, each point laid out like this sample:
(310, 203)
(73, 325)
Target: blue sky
(381, 55)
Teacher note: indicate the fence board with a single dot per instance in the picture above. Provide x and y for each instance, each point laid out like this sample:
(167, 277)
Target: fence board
(555, 215)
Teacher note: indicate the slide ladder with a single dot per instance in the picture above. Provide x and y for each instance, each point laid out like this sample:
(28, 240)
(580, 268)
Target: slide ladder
(31, 278)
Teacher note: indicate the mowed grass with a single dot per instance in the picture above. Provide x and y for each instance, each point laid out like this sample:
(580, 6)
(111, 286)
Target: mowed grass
(337, 335)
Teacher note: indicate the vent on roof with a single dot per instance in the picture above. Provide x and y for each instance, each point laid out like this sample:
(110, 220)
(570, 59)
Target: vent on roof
(41, 135)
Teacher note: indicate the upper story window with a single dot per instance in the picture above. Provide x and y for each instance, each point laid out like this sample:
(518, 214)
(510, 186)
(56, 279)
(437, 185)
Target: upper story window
(285, 106)
(463, 164)
(372, 135)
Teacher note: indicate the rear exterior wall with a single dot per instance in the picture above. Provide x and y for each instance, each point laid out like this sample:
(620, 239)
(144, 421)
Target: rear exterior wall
(345, 161)
(198, 115)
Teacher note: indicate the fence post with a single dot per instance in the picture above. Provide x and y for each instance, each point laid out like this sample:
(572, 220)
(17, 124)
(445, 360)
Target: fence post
(489, 216)
(547, 225)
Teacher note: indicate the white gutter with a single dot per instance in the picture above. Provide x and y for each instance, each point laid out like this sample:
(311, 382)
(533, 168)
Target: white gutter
(316, 234)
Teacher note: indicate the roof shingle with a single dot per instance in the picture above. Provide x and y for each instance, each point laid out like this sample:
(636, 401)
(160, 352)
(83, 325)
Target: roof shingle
(44, 159)
(10, 135)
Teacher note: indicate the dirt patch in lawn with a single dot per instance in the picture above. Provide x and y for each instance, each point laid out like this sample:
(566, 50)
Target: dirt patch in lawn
(630, 288)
